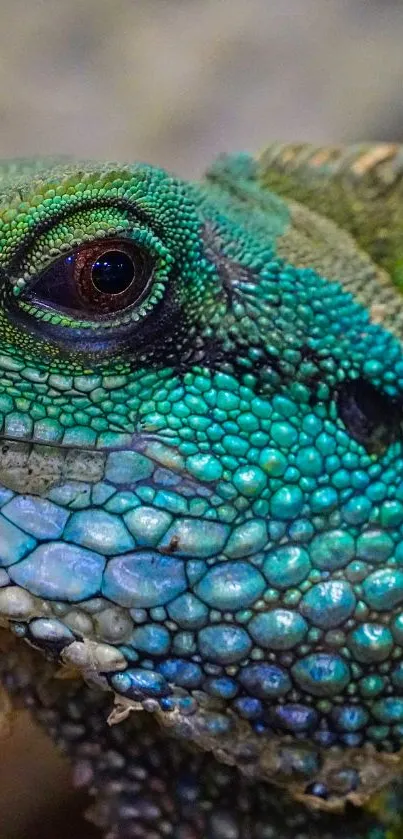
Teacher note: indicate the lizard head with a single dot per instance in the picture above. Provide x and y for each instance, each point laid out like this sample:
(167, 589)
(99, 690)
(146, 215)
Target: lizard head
(201, 501)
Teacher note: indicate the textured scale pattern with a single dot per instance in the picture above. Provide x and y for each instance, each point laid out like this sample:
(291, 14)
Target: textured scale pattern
(201, 493)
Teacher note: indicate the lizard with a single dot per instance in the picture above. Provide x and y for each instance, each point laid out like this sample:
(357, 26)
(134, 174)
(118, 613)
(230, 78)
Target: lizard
(201, 487)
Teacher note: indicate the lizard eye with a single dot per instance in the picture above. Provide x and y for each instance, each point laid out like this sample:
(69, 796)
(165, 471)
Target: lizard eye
(371, 417)
(98, 278)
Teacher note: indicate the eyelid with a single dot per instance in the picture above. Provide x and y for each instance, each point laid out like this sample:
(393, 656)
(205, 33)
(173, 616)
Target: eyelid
(71, 285)
(25, 275)
(25, 270)
(116, 322)
(75, 226)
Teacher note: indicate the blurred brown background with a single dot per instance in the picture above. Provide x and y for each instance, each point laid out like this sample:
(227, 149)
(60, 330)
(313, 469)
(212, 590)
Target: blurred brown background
(176, 82)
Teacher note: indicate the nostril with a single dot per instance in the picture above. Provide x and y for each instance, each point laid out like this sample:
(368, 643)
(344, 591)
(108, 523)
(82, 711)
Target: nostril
(371, 417)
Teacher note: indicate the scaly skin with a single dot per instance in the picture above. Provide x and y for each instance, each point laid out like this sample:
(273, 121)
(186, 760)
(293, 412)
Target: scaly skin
(202, 486)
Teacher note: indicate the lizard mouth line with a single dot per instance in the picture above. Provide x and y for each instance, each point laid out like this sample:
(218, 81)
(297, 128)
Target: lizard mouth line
(33, 441)
(31, 466)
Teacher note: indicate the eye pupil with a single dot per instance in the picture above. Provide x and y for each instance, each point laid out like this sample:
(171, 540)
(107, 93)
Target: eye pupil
(113, 272)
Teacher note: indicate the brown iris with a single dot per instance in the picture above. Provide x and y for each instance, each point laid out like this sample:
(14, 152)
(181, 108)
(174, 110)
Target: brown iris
(101, 277)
